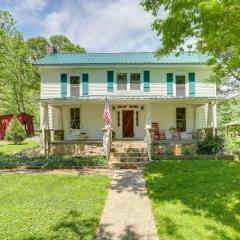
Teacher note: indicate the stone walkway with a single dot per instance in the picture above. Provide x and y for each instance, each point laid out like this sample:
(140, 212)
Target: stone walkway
(127, 213)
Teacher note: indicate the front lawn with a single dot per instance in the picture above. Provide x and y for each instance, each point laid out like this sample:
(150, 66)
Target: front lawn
(52, 162)
(9, 148)
(47, 207)
(195, 199)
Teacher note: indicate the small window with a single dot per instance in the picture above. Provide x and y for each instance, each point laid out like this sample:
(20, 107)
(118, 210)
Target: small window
(181, 119)
(122, 81)
(74, 86)
(75, 118)
(135, 83)
(137, 118)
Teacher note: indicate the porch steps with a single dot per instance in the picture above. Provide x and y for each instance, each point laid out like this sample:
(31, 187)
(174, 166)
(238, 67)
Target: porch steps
(128, 154)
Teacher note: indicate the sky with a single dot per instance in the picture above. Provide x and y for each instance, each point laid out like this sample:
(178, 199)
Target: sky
(96, 25)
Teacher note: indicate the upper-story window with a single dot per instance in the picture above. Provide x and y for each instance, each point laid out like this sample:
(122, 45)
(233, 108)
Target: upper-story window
(135, 83)
(74, 86)
(180, 86)
(122, 81)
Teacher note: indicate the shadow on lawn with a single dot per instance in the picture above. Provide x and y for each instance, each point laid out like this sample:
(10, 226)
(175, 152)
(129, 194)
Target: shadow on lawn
(209, 186)
(74, 226)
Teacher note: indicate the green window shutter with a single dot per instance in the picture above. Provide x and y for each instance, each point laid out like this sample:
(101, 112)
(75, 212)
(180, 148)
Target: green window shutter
(146, 80)
(63, 85)
(170, 84)
(191, 78)
(85, 84)
(110, 81)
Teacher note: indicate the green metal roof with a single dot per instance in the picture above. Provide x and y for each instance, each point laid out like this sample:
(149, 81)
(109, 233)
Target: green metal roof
(122, 58)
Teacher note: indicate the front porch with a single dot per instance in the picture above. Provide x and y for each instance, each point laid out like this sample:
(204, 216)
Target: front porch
(79, 119)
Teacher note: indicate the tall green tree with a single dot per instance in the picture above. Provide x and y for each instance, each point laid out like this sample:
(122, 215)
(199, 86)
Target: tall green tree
(214, 24)
(19, 83)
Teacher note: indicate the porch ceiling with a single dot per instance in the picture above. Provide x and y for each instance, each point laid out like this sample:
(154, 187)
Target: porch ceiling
(141, 99)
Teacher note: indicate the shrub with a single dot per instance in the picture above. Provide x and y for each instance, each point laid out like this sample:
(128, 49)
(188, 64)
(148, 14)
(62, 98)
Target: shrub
(229, 146)
(15, 132)
(168, 151)
(211, 145)
(186, 152)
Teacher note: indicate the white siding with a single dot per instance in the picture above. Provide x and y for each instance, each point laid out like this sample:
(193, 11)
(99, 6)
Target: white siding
(165, 115)
(51, 87)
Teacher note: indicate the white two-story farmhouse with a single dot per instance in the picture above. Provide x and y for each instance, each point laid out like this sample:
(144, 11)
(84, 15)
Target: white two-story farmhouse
(141, 89)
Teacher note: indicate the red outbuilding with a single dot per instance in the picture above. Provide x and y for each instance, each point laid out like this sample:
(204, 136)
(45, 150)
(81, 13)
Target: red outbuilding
(25, 119)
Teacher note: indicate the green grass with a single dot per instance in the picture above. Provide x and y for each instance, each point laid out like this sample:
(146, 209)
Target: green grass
(7, 149)
(49, 207)
(52, 162)
(195, 199)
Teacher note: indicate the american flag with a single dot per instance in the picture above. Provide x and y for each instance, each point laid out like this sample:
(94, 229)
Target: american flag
(106, 114)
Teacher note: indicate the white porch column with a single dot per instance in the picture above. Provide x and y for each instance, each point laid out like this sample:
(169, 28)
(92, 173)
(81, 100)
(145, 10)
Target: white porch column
(194, 117)
(210, 122)
(148, 115)
(44, 127)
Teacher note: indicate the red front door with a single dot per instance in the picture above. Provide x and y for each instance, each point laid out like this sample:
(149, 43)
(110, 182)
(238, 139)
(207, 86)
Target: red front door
(127, 123)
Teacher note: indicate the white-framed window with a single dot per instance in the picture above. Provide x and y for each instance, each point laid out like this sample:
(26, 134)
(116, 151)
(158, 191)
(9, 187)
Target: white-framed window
(181, 119)
(75, 118)
(135, 81)
(128, 82)
(122, 81)
(180, 85)
(74, 82)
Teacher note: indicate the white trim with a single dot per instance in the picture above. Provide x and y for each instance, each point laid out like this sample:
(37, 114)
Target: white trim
(115, 66)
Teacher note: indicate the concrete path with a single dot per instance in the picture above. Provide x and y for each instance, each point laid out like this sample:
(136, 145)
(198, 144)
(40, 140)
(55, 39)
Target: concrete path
(127, 214)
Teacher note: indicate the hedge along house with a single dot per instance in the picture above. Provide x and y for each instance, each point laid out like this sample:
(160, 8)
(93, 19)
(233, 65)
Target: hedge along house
(140, 88)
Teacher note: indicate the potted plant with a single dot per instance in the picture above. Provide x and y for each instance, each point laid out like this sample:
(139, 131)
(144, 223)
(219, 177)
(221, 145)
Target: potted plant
(172, 130)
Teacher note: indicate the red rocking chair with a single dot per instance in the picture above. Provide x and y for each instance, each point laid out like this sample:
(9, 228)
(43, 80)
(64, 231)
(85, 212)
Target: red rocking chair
(158, 134)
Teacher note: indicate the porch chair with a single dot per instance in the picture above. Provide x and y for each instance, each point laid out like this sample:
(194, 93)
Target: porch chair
(177, 135)
(158, 134)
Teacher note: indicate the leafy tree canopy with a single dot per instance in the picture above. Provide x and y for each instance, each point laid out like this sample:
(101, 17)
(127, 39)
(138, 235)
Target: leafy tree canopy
(62, 43)
(214, 24)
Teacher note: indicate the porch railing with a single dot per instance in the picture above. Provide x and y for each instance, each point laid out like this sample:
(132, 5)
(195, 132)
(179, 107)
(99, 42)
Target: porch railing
(107, 141)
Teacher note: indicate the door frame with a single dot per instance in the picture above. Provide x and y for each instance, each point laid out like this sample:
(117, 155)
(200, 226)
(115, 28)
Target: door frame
(133, 120)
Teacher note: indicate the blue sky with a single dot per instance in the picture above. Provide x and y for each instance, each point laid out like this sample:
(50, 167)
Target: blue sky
(97, 25)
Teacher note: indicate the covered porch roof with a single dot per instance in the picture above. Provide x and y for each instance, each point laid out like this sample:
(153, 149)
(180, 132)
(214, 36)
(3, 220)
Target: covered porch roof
(141, 99)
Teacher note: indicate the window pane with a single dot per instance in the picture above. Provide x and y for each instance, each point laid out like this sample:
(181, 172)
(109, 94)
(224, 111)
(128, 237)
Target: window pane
(135, 81)
(74, 86)
(180, 86)
(74, 91)
(181, 118)
(75, 118)
(121, 81)
(74, 80)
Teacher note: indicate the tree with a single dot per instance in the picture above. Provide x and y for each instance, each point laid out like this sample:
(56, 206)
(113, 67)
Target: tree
(18, 82)
(7, 22)
(15, 132)
(38, 45)
(214, 24)
(64, 45)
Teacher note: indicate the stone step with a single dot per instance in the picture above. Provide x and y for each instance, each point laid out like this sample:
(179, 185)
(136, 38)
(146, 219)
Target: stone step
(128, 154)
(126, 149)
(127, 165)
(128, 145)
(128, 159)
